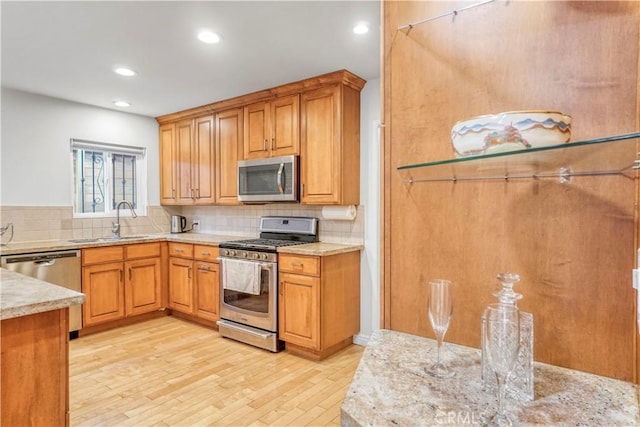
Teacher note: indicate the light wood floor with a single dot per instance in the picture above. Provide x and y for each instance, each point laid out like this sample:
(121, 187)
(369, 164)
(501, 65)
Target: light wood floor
(169, 372)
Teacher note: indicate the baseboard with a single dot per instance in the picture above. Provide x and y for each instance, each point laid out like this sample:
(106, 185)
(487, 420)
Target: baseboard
(361, 340)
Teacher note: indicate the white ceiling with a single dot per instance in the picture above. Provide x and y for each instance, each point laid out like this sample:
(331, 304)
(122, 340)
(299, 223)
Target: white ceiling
(68, 49)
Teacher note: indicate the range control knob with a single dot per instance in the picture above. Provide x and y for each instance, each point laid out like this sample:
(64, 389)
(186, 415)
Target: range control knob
(243, 254)
(232, 253)
(256, 255)
(265, 256)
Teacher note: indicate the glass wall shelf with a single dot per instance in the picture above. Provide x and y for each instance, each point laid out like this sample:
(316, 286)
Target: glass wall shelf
(611, 155)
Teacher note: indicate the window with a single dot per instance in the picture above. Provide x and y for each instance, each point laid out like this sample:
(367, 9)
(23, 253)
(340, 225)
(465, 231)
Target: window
(104, 174)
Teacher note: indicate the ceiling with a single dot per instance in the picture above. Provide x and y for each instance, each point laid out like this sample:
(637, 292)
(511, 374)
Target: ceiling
(68, 49)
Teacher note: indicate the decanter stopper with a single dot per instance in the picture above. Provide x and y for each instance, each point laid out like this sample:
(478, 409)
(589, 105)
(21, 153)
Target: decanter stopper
(520, 382)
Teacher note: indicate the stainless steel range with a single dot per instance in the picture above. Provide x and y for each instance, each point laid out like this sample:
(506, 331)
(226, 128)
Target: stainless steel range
(249, 280)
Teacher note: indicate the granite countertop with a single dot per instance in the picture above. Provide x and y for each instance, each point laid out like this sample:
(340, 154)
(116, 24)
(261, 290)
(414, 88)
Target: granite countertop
(319, 248)
(21, 295)
(391, 388)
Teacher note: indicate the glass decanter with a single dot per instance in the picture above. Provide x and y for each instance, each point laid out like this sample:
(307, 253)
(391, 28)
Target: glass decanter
(520, 382)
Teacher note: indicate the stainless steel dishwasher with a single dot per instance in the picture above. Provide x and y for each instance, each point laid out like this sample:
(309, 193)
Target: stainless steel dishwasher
(61, 268)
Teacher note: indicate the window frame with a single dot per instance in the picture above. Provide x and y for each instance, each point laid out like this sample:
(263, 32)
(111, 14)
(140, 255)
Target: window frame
(109, 149)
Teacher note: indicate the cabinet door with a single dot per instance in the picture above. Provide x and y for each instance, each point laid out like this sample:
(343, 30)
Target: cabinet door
(229, 130)
(181, 285)
(142, 286)
(203, 162)
(103, 287)
(299, 321)
(184, 155)
(285, 131)
(256, 131)
(167, 164)
(320, 171)
(207, 290)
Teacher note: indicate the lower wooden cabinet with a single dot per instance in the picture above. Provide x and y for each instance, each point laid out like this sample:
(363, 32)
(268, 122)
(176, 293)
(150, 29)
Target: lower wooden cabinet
(34, 367)
(120, 281)
(319, 308)
(103, 287)
(181, 285)
(207, 301)
(194, 280)
(142, 286)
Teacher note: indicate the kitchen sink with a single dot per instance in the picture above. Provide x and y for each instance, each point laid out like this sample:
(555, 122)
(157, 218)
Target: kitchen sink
(107, 239)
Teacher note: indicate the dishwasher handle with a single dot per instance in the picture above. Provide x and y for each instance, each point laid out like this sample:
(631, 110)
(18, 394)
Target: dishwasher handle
(45, 262)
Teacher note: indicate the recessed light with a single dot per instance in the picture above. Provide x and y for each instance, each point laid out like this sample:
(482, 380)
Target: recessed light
(361, 28)
(209, 37)
(121, 104)
(124, 71)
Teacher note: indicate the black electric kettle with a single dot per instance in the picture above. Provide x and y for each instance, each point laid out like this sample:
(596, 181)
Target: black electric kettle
(178, 224)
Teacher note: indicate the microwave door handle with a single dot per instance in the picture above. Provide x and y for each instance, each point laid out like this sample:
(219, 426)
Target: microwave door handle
(279, 178)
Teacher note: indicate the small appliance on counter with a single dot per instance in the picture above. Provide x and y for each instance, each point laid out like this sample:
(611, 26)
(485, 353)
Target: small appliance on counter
(178, 224)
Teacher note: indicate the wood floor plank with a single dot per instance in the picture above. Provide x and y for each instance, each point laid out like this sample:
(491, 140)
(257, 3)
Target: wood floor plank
(169, 372)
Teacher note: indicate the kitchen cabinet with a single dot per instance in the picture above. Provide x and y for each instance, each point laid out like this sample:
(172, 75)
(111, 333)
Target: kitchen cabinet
(271, 128)
(120, 281)
(319, 307)
(194, 280)
(35, 369)
(168, 178)
(187, 162)
(228, 142)
(317, 118)
(330, 146)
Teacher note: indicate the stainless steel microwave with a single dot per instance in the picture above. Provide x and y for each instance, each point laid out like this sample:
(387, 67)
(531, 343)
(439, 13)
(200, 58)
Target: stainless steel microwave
(273, 179)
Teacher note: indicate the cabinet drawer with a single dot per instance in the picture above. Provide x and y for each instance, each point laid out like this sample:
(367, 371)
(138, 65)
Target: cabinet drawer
(183, 250)
(205, 253)
(142, 250)
(101, 255)
(309, 265)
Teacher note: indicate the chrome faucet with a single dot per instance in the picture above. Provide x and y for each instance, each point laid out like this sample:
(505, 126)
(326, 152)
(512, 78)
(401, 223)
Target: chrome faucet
(115, 225)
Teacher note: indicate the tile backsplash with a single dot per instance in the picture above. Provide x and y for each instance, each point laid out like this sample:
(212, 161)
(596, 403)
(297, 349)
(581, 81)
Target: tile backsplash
(36, 223)
(245, 220)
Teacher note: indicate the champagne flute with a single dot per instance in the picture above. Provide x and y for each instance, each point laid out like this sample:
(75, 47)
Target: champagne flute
(502, 338)
(440, 311)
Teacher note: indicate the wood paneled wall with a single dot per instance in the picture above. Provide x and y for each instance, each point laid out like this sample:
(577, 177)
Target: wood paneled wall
(573, 244)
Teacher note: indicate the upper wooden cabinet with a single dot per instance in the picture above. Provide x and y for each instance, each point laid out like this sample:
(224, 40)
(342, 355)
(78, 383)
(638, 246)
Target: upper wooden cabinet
(168, 190)
(317, 118)
(330, 146)
(187, 162)
(271, 128)
(228, 152)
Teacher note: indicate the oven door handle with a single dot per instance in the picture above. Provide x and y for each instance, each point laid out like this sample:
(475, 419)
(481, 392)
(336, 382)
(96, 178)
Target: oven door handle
(280, 170)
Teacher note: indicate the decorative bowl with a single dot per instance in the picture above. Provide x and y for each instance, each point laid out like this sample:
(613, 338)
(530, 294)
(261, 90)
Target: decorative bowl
(514, 130)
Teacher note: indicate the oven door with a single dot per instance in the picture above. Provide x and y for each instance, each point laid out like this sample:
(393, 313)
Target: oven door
(255, 307)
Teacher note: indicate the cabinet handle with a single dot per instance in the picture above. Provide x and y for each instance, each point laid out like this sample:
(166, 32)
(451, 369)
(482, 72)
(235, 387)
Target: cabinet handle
(281, 287)
(302, 189)
(205, 253)
(197, 193)
(193, 195)
(273, 140)
(264, 145)
(297, 264)
(121, 275)
(203, 268)
(179, 250)
(189, 274)
(129, 273)
(173, 193)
